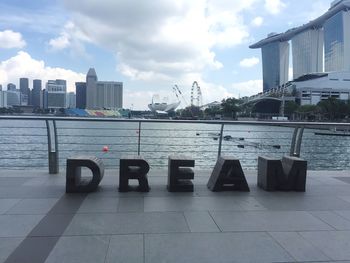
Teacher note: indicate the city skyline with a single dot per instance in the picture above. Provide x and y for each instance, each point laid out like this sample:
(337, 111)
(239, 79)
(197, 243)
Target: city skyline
(149, 47)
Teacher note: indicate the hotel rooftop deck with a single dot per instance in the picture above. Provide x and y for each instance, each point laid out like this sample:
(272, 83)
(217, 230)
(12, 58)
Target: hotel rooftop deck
(40, 223)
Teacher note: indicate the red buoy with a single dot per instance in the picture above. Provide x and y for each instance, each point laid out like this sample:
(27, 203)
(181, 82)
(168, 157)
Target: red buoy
(105, 149)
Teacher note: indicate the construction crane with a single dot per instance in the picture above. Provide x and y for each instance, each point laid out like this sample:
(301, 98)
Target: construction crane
(198, 98)
(178, 92)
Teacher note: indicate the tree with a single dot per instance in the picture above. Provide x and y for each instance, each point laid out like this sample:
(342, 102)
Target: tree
(290, 107)
(308, 112)
(333, 108)
(213, 111)
(230, 107)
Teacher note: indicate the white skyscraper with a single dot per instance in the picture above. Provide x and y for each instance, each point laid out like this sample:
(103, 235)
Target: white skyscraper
(307, 52)
(56, 93)
(102, 94)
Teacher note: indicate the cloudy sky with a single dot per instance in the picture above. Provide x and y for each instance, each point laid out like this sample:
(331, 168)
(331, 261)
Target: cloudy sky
(149, 45)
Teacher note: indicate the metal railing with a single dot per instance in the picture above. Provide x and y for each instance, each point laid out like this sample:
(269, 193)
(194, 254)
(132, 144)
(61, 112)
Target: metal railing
(36, 142)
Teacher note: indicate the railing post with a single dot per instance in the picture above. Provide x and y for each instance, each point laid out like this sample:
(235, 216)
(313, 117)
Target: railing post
(139, 140)
(220, 139)
(52, 151)
(296, 141)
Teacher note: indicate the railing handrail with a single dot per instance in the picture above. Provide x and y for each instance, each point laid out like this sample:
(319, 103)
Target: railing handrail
(219, 122)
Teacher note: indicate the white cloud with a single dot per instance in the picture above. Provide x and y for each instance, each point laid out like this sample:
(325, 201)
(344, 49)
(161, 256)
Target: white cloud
(11, 39)
(257, 21)
(23, 65)
(249, 62)
(162, 39)
(274, 6)
(70, 37)
(247, 88)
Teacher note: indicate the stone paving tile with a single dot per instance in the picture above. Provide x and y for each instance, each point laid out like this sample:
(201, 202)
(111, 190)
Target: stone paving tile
(96, 204)
(333, 219)
(298, 247)
(33, 206)
(130, 204)
(200, 222)
(191, 203)
(300, 202)
(343, 213)
(17, 225)
(126, 248)
(7, 245)
(127, 223)
(334, 244)
(80, 249)
(268, 221)
(7, 204)
(214, 247)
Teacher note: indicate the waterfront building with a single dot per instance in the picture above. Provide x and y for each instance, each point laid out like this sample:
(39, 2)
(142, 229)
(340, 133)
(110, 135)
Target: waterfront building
(25, 91)
(337, 42)
(11, 86)
(71, 100)
(0, 87)
(275, 60)
(80, 91)
(322, 44)
(13, 98)
(313, 88)
(307, 52)
(3, 99)
(36, 93)
(102, 94)
(56, 93)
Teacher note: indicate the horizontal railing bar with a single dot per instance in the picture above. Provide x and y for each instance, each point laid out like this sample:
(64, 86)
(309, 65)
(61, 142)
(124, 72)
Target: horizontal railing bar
(94, 135)
(21, 127)
(22, 135)
(255, 123)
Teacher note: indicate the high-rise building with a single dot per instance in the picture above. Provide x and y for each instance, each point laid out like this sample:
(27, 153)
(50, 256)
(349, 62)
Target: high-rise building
(25, 91)
(275, 60)
(337, 42)
(56, 94)
(308, 44)
(102, 94)
(11, 86)
(0, 87)
(36, 93)
(3, 99)
(13, 98)
(45, 99)
(109, 95)
(307, 52)
(91, 79)
(71, 98)
(80, 90)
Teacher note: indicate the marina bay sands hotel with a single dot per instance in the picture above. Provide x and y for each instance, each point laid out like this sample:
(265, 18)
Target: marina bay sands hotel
(321, 45)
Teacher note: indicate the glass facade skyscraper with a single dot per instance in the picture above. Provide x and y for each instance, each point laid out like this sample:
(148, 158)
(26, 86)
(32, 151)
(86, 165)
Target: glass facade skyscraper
(307, 52)
(275, 59)
(337, 42)
(36, 93)
(322, 44)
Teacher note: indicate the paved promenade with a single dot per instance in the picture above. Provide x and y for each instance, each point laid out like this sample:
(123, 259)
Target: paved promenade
(40, 223)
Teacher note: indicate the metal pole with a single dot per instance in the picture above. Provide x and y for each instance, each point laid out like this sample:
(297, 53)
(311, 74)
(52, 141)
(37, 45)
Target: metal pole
(220, 139)
(52, 154)
(298, 144)
(139, 140)
(292, 144)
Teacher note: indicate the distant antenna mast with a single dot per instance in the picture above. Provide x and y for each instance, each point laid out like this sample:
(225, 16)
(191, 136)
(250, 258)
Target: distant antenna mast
(198, 99)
